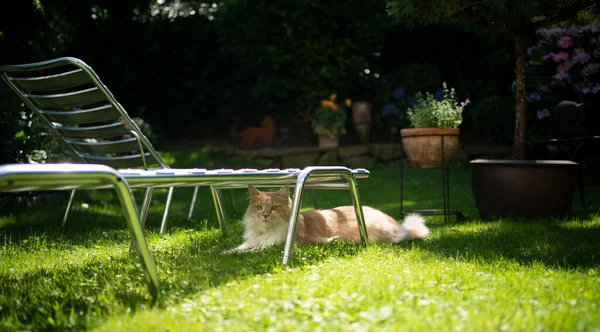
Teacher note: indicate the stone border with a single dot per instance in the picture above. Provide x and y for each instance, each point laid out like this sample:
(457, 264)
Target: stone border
(356, 154)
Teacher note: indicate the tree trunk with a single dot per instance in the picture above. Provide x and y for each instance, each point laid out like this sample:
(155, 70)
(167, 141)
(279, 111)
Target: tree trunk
(518, 149)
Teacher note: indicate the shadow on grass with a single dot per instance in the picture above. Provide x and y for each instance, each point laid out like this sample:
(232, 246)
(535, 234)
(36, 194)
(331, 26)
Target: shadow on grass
(556, 243)
(188, 262)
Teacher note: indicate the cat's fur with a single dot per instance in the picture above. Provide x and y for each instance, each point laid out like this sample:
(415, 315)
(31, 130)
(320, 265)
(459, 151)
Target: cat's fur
(267, 217)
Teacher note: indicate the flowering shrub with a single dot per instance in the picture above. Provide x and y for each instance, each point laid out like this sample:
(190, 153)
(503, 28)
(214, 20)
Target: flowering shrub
(571, 55)
(329, 118)
(431, 112)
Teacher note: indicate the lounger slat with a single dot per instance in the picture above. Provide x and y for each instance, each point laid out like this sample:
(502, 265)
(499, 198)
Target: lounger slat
(95, 148)
(103, 131)
(132, 161)
(79, 98)
(60, 81)
(98, 114)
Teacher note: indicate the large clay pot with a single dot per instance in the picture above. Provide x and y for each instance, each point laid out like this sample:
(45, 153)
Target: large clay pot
(361, 117)
(326, 141)
(522, 188)
(423, 146)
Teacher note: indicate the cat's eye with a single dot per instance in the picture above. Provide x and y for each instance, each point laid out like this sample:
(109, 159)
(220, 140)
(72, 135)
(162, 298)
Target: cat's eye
(274, 207)
(259, 207)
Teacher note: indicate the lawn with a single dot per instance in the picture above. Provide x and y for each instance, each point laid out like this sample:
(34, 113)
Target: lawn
(504, 275)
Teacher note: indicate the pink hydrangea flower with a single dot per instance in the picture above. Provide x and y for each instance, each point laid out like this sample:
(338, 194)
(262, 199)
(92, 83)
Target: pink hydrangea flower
(565, 42)
(557, 57)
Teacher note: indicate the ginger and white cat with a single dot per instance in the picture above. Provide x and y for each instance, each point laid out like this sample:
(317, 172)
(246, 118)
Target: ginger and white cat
(267, 217)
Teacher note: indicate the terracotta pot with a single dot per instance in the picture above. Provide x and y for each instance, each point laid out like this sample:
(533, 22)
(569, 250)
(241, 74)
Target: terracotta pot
(361, 117)
(523, 188)
(423, 146)
(325, 141)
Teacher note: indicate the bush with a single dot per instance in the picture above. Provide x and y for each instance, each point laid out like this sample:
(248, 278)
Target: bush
(431, 112)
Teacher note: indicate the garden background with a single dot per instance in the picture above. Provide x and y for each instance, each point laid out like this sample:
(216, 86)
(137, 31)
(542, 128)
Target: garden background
(195, 70)
(189, 69)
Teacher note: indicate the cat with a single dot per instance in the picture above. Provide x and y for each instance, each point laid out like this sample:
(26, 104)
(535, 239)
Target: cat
(250, 135)
(267, 217)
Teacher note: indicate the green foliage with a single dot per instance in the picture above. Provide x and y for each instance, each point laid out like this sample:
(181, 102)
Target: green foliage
(23, 137)
(429, 112)
(290, 51)
(513, 17)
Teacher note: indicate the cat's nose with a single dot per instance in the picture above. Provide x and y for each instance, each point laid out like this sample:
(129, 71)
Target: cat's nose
(265, 215)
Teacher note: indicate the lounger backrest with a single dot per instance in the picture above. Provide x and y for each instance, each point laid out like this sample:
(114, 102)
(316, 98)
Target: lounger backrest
(70, 98)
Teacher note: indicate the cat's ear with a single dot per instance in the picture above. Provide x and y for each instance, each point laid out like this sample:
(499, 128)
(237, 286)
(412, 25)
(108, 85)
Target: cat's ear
(253, 191)
(284, 191)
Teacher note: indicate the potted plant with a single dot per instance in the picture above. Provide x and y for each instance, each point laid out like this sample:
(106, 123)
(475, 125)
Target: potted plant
(520, 21)
(433, 140)
(329, 121)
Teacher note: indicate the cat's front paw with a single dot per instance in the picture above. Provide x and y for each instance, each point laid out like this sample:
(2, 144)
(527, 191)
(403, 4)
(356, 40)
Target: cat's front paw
(228, 252)
(333, 238)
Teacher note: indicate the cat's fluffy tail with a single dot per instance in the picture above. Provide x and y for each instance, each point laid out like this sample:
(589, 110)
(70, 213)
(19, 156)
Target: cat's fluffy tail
(413, 228)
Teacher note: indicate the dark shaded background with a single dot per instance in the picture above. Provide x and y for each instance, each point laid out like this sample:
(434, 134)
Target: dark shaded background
(188, 75)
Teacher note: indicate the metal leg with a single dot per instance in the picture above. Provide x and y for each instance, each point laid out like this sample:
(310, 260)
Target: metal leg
(360, 217)
(87, 176)
(297, 203)
(137, 235)
(581, 184)
(443, 166)
(163, 224)
(232, 199)
(66, 216)
(295, 211)
(193, 203)
(448, 190)
(219, 210)
(146, 205)
(401, 188)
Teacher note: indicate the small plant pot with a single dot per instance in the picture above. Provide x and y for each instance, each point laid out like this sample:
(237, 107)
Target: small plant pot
(423, 146)
(523, 188)
(326, 141)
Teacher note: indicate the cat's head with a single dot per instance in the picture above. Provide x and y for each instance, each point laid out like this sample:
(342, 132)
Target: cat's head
(269, 207)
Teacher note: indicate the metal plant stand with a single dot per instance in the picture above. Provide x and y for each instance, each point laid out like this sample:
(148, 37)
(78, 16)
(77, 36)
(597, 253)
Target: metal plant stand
(445, 184)
(571, 146)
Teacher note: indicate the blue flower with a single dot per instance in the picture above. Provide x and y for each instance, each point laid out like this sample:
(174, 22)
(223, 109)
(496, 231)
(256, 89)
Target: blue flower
(534, 96)
(411, 101)
(389, 110)
(398, 93)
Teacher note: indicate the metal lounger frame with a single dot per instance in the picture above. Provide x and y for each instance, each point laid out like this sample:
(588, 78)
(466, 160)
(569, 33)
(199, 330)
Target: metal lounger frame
(314, 177)
(69, 97)
(39, 93)
(36, 177)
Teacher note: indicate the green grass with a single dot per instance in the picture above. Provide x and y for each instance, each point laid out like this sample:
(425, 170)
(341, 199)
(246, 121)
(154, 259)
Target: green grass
(505, 275)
